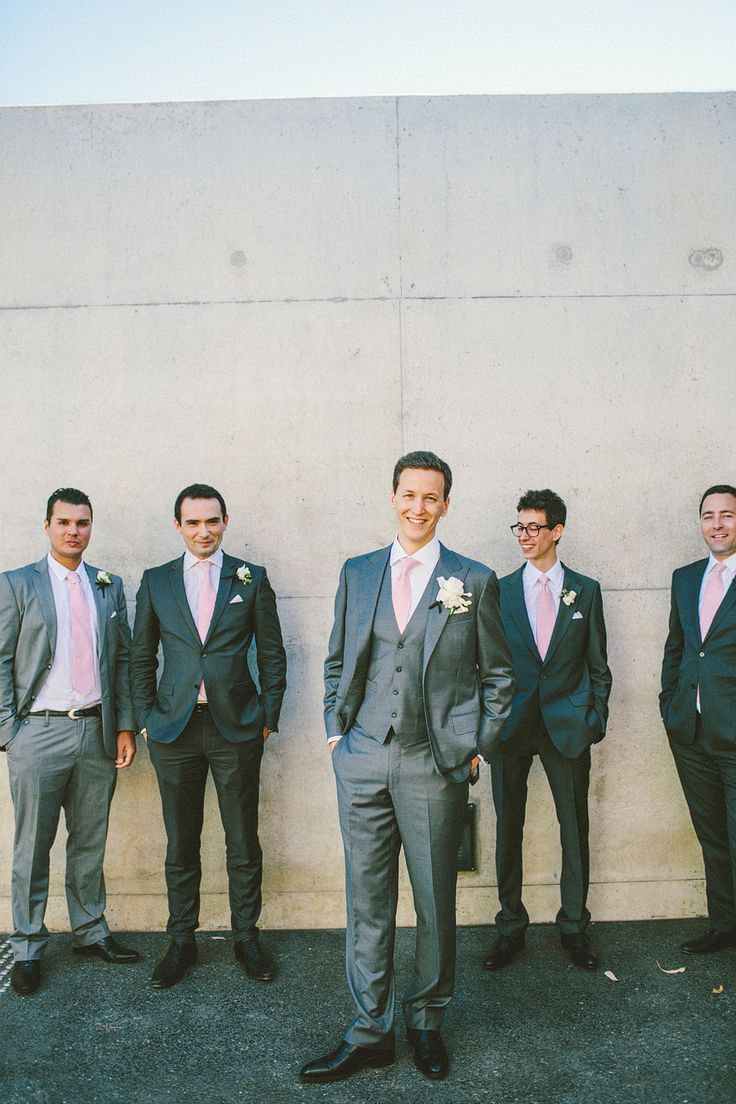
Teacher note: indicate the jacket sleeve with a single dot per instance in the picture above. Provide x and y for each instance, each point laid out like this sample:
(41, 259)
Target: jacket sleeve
(9, 630)
(144, 653)
(335, 655)
(597, 660)
(270, 654)
(123, 696)
(494, 668)
(672, 659)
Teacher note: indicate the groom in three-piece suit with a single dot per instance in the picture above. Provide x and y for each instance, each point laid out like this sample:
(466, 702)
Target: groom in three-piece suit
(417, 683)
(206, 714)
(553, 619)
(66, 723)
(698, 706)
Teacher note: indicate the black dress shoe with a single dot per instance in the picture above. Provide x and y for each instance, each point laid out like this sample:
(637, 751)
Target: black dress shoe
(174, 965)
(25, 976)
(430, 1054)
(709, 943)
(580, 950)
(110, 949)
(344, 1062)
(255, 959)
(503, 951)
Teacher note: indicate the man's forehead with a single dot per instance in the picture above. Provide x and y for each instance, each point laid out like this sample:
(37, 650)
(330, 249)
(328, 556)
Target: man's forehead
(716, 502)
(67, 511)
(201, 508)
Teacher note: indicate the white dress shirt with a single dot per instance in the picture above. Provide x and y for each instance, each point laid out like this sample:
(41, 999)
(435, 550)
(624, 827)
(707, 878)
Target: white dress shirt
(57, 692)
(193, 578)
(726, 577)
(532, 589)
(419, 577)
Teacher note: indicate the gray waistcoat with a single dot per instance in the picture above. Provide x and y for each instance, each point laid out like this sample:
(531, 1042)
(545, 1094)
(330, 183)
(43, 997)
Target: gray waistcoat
(393, 691)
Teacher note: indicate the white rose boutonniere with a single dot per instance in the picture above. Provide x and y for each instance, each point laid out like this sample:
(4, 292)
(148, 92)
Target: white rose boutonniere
(452, 596)
(568, 596)
(244, 575)
(103, 579)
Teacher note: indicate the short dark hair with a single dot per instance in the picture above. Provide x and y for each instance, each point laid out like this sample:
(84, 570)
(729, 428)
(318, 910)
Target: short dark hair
(425, 461)
(720, 488)
(198, 490)
(70, 495)
(554, 508)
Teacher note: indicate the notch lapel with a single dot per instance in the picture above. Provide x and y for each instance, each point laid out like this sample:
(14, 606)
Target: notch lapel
(371, 577)
(565, 613)
(180, 596)
(101, 605)
(519, 614)
(727, 604)
(437, 615)
(45, 595)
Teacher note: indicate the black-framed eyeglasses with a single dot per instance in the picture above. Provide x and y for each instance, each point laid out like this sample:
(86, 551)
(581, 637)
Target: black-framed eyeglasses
(532, 529)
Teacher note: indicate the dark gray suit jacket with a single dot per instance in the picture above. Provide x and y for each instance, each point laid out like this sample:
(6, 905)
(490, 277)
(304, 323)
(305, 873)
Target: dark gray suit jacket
(162, 615)
(28, 640)
(467, 676)
(689, 662)
(571, 686)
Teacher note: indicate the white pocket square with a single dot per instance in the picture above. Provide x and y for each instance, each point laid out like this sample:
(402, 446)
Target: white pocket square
(113, 614)
(577, 616)
(237, 598)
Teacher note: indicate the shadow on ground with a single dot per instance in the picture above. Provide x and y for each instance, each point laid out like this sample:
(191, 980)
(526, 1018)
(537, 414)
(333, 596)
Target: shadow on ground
(538, 1032)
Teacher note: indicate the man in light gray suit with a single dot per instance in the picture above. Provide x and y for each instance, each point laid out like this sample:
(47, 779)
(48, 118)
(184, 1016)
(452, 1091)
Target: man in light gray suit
(418, 682)
(66, 723)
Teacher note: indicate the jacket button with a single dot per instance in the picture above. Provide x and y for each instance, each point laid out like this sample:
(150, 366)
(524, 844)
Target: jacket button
(204, 655)
(396, 691)
(394, 714)
(399, 668)
(400, 645)
(702, 654)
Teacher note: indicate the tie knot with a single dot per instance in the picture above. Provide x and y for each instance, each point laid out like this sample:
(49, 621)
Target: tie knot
(406, 565)
(72, 577)
(544, 581)
(719, 568)
(204, 565)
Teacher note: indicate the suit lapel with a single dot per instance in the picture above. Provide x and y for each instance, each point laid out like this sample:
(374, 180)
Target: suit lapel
(227, 574)
(180, 595)
(437, 616)
(371, 576)
(565, 613)
(100, 597)
(692, 582)
(729, 599)
(45, 595)
(516, 605)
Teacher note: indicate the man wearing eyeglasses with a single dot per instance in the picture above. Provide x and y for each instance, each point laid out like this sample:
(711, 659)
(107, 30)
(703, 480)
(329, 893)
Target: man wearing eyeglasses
(553, 618)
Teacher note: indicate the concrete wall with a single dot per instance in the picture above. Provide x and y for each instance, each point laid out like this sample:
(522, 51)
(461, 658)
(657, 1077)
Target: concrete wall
(282, 297)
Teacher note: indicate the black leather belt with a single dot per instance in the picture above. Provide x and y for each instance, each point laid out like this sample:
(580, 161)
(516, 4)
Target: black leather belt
(74, 714)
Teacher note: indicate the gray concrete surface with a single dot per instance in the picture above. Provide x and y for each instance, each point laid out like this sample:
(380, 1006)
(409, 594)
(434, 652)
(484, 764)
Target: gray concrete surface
(539, 1032)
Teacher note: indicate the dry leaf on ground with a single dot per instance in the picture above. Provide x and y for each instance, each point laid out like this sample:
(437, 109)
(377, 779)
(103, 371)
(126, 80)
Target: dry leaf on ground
(679, 970)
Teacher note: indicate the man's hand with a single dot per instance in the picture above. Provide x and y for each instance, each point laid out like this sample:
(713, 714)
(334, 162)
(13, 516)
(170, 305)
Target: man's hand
(126, 750)
(266, 733)
(332, 744)
(474, 762)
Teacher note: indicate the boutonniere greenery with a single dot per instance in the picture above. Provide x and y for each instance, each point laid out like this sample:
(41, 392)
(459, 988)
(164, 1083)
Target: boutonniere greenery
(452, 596)
(244, 575)
(568, 596)
(103, 579)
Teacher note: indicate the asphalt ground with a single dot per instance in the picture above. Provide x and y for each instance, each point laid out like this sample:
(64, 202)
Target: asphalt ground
(538, 1032)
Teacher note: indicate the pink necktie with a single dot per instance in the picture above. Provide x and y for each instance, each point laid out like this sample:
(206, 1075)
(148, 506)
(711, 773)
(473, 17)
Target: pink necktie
(205, 608)
(83, 665)
(546, 615)
(712, 598)
(401, 591)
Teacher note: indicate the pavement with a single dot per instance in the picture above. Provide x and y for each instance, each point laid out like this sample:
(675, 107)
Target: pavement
(538, 1032)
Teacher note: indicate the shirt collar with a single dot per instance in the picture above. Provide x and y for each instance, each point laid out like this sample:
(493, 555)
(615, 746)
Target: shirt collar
(556, 575)
(190, 560)
(61, 572)
(428, 554)
(729, 563)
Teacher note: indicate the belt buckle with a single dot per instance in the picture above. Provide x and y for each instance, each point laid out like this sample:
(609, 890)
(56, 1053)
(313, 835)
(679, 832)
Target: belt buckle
(73, 714)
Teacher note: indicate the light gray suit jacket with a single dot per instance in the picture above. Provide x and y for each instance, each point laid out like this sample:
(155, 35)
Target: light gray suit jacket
(28, 640)
(467, 679)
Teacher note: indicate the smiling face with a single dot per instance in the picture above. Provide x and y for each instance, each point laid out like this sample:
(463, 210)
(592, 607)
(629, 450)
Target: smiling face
(419, 503)
(202, 526)
(69, 531)
(540, 550)
(718, 524)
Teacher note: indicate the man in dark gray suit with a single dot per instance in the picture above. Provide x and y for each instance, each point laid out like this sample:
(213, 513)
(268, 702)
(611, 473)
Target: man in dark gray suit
(418, 683)
(66, 722)
(698, 706)
(553, 618)
(205, 609)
